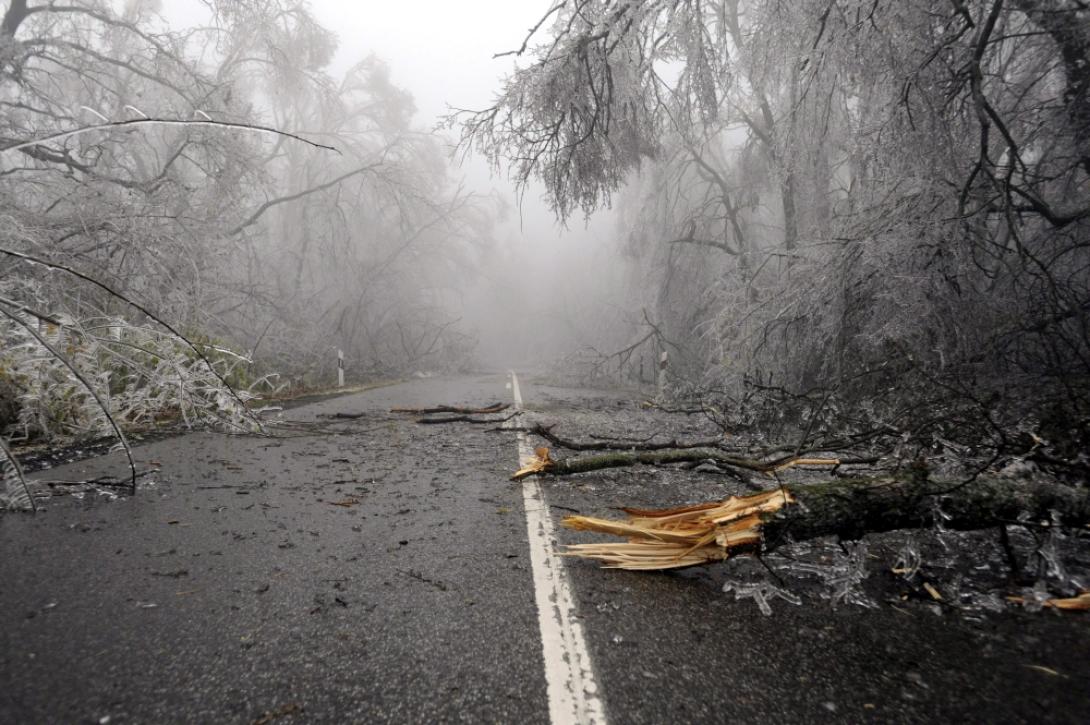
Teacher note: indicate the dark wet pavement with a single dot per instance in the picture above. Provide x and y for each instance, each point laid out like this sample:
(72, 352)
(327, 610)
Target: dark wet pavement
(235, 586)
(376, 571)
(673, 647)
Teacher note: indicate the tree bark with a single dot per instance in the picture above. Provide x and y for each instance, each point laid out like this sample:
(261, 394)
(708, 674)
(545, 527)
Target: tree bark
(1064, 24)
(851, 507)
(621, 459)
(13, 18)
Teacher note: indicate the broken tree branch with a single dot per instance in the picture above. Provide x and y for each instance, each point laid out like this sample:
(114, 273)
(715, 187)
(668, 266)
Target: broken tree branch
(847, 508)
(163, 122)
(620, 459)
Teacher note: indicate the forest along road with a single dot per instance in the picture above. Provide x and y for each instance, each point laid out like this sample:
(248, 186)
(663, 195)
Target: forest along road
(376, 570)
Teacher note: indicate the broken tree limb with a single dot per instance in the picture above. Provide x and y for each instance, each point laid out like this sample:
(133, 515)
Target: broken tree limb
(463, 419)
(488, 409)
(764, 462)
(602, 444)
(848, 508)
(621, 459)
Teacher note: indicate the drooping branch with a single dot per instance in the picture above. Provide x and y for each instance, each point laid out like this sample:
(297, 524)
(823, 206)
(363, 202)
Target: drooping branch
(252, 219)
(1066, 25)
(721, 246)
(144, 310)
(584, 111)
(84, 382)
(18, 476)
(163, 122)
(17, 12)
(531, 32)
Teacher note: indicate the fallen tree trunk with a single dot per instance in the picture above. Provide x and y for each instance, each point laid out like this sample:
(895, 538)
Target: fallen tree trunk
(848, 508)
(852, 507)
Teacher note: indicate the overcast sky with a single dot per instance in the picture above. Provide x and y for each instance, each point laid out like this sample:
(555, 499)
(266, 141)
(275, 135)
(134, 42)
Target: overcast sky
(440, 50)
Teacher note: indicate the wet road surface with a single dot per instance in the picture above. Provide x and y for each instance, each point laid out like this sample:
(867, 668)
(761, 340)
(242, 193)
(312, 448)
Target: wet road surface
(378, 571)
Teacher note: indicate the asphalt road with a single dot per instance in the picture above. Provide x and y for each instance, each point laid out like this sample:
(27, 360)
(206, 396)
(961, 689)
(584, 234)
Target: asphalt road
(377, 570)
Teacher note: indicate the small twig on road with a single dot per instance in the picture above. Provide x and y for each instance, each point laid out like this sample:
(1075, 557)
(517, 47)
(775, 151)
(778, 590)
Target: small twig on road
(107, 481)
(465, 419)
(488, 409)
(420, 577)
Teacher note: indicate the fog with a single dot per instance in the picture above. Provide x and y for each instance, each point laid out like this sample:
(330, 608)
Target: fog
(536, 285)
(760, 193)
(802, 288)
(531, 291)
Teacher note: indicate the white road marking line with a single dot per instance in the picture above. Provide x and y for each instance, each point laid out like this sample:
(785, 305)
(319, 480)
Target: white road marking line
(569, 676)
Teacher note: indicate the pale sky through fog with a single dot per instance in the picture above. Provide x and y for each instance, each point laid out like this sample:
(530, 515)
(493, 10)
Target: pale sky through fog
(442, 52)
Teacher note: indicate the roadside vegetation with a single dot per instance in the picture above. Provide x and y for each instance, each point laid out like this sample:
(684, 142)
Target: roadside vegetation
(170, 248)
(855, 232)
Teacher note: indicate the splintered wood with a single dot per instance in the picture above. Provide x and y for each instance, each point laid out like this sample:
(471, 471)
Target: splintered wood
(1081, 603)
(537, 464)
(679, 537)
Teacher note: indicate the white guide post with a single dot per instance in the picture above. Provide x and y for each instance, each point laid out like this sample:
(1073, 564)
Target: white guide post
(664, 358)
(340, 368)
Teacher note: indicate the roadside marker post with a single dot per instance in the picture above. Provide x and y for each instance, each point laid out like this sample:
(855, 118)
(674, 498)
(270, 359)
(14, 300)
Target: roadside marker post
(340, 368)
(664, 359)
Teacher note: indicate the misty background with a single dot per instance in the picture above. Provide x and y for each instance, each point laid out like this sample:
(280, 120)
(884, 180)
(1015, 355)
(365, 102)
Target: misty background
(840, 212)
(544, 281)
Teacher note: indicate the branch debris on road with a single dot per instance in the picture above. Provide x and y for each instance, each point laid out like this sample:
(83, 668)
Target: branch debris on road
(486, 410)
(846, 508)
